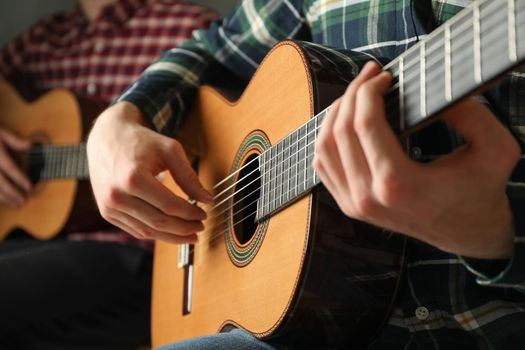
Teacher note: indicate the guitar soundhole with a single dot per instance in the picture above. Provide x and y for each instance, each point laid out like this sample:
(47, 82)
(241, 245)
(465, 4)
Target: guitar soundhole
(244, 208)
(36, 163)
(31, 162)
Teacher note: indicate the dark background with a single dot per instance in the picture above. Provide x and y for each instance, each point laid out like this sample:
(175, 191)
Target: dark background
(18, 15)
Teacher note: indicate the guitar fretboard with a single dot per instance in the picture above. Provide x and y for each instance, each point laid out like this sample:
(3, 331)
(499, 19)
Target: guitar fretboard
(48, 162)
(478, 45)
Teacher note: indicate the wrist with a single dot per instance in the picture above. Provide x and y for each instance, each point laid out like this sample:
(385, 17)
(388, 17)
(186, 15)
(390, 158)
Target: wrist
(125, 111)
(496, 243)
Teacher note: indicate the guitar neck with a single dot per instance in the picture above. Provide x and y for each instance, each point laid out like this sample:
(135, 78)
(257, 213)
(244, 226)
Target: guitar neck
(49, 162)
(466, 53)
(477, 46)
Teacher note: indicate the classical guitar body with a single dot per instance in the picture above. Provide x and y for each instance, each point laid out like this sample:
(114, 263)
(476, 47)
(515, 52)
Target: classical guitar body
(47, 210)
(277, 257)
(306, 273)
(61, 200)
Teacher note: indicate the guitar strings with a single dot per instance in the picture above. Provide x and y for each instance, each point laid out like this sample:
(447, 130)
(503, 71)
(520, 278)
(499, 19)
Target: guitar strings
(63, 161)
(409, 64)
(235, 203)
(413, 61)
(295, 177)
(491, 37)
(256, 179)
(215, 235)
(55, 161)
(388, 104)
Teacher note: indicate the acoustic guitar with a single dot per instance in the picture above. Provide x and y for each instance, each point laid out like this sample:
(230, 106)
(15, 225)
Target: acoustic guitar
(56, 163)
(277, 257)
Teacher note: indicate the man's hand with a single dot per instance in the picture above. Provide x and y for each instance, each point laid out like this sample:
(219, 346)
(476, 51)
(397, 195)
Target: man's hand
(14, 184)
(456, 203)
(124, 159)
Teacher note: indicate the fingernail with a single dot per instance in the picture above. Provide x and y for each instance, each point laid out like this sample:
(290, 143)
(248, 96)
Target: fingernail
(207, 197)
(200, 227)
(369, 65)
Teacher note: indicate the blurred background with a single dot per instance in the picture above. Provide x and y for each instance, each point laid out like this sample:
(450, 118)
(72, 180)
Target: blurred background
(18, 15)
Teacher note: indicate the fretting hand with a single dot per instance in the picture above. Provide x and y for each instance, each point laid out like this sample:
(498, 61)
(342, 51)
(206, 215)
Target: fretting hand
(456, 203)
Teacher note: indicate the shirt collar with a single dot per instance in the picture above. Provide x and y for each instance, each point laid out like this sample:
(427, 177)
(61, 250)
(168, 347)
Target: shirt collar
(120, 11)
(117, 13)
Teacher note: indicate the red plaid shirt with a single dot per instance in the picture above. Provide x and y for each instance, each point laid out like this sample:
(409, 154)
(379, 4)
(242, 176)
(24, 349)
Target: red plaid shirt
(101, 58)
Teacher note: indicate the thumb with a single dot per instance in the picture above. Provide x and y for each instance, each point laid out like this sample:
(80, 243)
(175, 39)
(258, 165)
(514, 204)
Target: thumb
(488, 140)
(182, 172)
(475, 123)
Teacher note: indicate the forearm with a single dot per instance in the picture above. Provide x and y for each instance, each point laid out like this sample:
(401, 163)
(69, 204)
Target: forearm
(166, 89)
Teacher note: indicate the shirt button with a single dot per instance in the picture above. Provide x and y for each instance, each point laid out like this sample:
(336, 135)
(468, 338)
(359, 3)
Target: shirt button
(99, 46)
(91, 88)
(422, 313)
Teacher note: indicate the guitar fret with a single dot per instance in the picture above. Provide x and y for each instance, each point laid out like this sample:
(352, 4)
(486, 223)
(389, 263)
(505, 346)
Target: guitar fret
(423, 80)
(83, 162)
(401, 79)
(63, 161)
(272, 180)
(279, 177)
(310, 142)
(412, 101)
(69, 161)
(477, 44)
(316, 127)
(294, 164)
(79, 159)
(264, 195)
(300, 160)
(286, 169)
(60, 156)
(262, 167)
(305, 148)
(60, 162)
(520, 29)
(275, 176)
(55, 157)
(76, 161)
(268, 170)
(49, 160)
(448, 65)
(513, 51)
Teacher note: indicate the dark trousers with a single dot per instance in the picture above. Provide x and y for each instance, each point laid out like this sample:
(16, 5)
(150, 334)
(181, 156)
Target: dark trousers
(73, 295)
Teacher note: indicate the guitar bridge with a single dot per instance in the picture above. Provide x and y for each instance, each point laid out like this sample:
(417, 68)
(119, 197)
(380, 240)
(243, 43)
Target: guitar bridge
(185, 262)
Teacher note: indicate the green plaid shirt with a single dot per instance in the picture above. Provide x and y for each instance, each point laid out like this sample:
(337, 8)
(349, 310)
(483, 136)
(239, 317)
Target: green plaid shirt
(445, 302)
